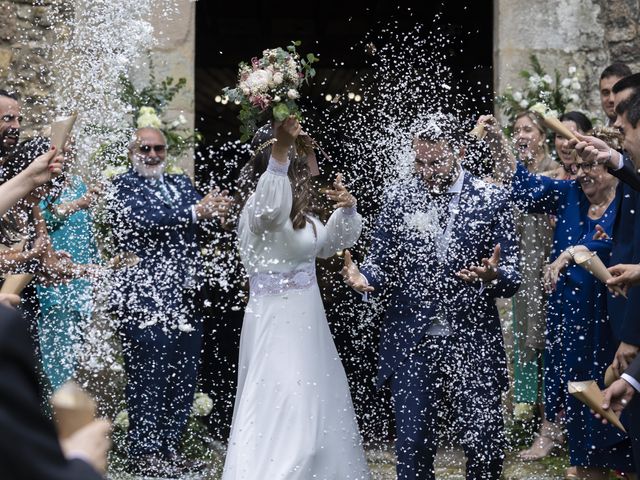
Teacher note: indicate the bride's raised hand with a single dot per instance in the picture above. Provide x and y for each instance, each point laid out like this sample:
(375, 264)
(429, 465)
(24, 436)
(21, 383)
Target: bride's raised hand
(339, 194)
(352, 276)
(285, 133)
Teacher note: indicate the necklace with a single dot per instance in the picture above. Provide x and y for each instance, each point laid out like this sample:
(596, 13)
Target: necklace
(598, 206)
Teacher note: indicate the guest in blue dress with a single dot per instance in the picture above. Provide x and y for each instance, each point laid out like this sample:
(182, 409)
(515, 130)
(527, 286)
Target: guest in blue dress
(580, 341)
(66, 307)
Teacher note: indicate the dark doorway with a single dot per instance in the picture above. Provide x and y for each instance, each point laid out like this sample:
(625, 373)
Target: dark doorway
(229, 33)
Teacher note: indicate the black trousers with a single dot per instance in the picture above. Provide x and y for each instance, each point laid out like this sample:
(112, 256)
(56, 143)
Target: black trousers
(448, 369)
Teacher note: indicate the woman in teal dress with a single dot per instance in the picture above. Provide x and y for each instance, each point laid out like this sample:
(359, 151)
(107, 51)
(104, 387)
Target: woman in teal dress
(65, 308)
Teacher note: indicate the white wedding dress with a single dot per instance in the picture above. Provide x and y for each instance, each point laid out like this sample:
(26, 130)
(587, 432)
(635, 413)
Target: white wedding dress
(293, 417)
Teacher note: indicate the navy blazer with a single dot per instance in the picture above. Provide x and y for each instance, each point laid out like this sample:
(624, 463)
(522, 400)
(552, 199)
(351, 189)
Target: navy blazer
(163, 234)
(29, 447)
(623, 312)
(403, 265)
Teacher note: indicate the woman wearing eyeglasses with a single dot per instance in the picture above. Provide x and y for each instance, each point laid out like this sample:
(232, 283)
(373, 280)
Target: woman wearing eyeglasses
(576, 122)
(579, 339)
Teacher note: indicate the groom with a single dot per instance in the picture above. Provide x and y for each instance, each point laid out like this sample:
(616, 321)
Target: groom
(154, 216)
(442, 250)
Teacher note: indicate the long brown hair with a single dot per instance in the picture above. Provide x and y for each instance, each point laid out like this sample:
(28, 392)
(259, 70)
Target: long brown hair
(305, 201)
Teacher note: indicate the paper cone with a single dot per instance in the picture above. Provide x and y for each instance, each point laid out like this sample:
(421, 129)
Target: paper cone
(478, 131)
(556, 125)
(16, 283)
(590, 394)
(72, 409)
(591, 262)
(60, 130)
(610, 376)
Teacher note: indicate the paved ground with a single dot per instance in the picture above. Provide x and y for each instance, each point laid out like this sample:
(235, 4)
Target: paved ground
(449, 466)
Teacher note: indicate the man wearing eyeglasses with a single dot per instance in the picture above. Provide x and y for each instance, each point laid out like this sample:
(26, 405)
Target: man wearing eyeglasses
(10, 119)
(155, 216)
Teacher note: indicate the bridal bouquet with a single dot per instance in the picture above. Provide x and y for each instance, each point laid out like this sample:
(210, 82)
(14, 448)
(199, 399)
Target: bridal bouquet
(269, 87)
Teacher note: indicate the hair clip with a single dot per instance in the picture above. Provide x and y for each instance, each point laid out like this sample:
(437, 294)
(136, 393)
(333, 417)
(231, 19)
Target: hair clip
(264, 145)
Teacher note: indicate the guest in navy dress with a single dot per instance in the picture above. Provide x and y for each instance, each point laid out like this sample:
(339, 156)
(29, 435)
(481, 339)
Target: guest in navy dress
(580, 339)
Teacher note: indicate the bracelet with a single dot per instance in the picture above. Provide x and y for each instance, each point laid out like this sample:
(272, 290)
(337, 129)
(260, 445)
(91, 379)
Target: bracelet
(572, 251)
(610, 155)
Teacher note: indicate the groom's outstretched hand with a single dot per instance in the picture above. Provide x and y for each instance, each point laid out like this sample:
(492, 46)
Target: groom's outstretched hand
(352, 275)
(486, 273)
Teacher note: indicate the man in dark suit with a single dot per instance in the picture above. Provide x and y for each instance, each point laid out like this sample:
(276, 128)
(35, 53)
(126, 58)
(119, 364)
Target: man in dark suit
(435, 254)
(155, 215)
(29, 446)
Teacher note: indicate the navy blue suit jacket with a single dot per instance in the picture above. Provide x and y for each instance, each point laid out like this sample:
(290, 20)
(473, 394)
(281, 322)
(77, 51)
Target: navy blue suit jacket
(162, 234)
(402, 264)
(623, 313)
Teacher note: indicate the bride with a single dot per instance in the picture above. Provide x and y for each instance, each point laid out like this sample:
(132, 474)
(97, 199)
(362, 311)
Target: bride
(293, 417)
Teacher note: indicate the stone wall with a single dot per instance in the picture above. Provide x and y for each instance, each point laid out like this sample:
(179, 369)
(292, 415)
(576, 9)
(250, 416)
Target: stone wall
(28, 28)
(26, 31)
(589, 34)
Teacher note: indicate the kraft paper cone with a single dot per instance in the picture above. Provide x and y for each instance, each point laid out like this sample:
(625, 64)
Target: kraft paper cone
(478, 131)
(610, 376)
(16, 283)
(60, 130)
(556, 125)
(73, 408)
(590, 394)
(591, 262)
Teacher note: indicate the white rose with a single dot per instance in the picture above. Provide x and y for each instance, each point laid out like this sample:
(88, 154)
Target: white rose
(258, 80)
(149, 120)
(181, 119)
(534, 81)
(202, 405)
(524, 103)
(122, 420)
(111, 172)
(576, 85)
(572, 70)
(147, 111)
(566, 82)
(517, 96)
(293, 94)
(540, 108)
(547, 79)
(276, 99)
(574, 97)
(278, 78)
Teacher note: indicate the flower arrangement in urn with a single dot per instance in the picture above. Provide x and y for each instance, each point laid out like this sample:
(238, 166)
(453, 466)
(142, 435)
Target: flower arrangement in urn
(269, 87)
